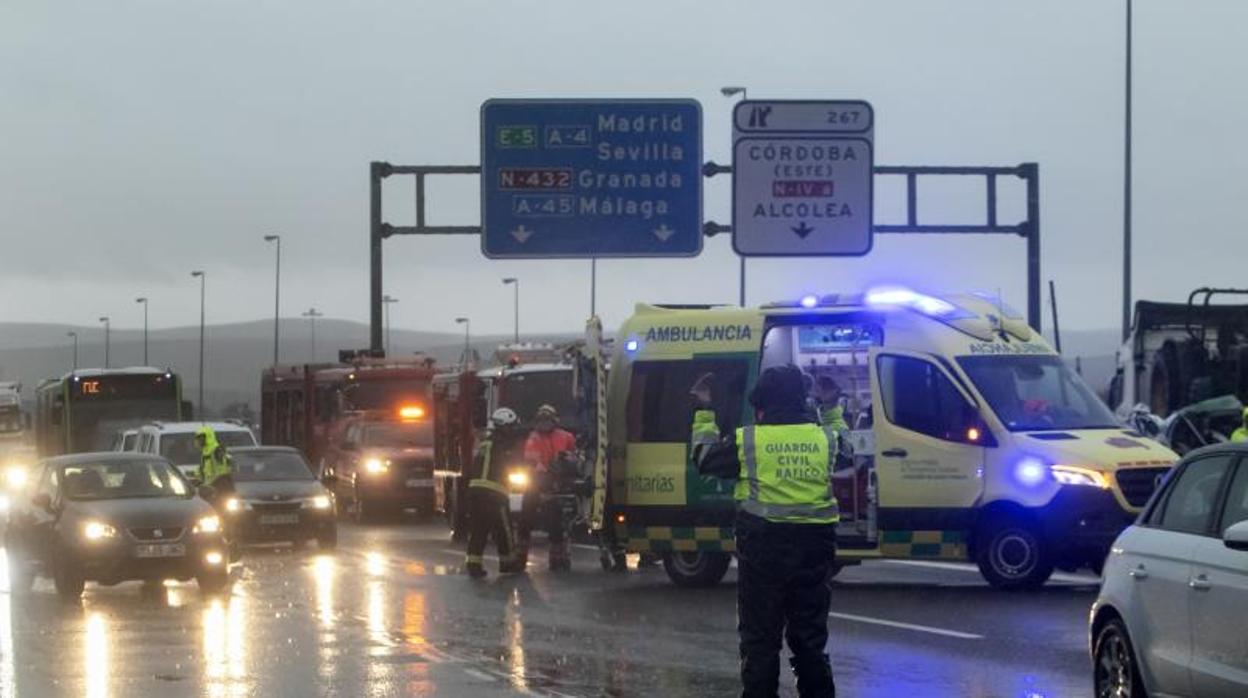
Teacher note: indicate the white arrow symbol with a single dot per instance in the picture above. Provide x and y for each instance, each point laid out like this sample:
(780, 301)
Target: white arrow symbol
(663, 232)
(521, 234)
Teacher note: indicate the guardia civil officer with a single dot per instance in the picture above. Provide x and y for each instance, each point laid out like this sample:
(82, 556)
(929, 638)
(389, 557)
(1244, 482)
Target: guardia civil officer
(785, 529)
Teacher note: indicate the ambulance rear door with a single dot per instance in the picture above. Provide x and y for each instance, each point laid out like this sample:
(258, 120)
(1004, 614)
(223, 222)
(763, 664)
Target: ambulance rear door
(929, 455)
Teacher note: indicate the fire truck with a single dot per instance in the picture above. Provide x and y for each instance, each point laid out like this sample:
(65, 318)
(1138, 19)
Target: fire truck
(310, 406)
(527, 376)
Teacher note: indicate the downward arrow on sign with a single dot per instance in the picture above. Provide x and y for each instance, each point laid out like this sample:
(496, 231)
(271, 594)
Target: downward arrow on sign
(802, 230)
(663, 233)
(521, 234)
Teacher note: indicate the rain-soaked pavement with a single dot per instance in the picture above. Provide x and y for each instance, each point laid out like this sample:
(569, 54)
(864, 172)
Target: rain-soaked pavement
(388, 614)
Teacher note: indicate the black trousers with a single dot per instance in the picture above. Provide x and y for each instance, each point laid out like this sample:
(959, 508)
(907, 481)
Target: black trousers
(488, 516)
(782, 592)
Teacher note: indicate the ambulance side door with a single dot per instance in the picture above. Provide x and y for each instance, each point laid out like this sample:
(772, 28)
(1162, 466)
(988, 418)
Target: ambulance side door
(929, 450)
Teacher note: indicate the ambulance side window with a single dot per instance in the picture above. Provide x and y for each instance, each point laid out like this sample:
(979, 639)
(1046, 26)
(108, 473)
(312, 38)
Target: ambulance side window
(660, 409)
(919, 397)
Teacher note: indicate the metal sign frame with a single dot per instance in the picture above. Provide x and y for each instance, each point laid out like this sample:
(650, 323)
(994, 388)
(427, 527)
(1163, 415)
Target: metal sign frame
(1028, 229)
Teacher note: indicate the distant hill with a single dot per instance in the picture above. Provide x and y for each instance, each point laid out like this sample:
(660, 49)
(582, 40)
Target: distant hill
(236, 353)
(30, 352)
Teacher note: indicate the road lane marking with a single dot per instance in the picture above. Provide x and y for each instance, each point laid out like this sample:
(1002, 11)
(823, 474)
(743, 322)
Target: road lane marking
(967, 567)
(906, 626)
(477, 674)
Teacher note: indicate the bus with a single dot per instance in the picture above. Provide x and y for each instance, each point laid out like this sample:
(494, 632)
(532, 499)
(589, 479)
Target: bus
(12, 420)
(83, 410)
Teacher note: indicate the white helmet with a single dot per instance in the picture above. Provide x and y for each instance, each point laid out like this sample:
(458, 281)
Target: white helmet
(504, 417)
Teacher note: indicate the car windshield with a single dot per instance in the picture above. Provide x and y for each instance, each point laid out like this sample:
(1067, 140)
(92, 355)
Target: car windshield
(180, 449)
(120, 479)
(410, 434)
(526, 391)
(267, 466)
(1037, 393)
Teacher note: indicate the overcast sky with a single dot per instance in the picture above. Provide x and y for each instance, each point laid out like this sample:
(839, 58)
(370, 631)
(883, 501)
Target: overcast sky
(141, 140)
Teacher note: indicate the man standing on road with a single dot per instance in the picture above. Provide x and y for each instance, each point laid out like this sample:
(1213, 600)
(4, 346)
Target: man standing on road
(785, 529)
(546, 443)
(214, 464)
(487, 497)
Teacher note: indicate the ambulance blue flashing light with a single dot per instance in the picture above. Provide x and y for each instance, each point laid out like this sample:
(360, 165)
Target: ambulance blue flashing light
(631, 346)
(1030, 472)
(906, 298)
(809, 301)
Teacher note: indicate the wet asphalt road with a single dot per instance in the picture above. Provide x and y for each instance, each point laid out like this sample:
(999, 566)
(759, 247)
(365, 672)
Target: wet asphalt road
(389, 614)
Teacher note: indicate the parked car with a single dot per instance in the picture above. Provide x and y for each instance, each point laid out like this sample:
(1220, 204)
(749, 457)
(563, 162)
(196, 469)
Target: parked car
(114, 517)
(175, 441)
(278, 498)
(1170, 617)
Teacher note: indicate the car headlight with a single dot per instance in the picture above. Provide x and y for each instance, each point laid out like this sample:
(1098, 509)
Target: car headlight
(233, 504)
(518, 479)
(376, 465)
(1075, 475)
(320, 501)
(15, 477)
(98, 530)
(208, 524)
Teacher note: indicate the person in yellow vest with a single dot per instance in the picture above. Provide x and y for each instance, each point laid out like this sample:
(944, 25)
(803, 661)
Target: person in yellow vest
(214, 464)
(488, 513)
(785, 529)
(1241, 434)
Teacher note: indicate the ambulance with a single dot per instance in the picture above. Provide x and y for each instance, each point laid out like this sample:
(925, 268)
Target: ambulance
(972, 440)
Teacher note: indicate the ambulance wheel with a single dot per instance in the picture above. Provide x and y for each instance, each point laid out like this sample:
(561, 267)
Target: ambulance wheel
(697, 569)
(1012, 555)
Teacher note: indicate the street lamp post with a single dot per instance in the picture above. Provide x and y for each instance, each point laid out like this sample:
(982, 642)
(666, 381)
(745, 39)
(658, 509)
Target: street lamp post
(107, 340)
(143, 301)
(1126, 192)
(277, 294)
(515, 298)
(388, 300)
(74, 336)
(732, 92)
(312, 315)
(467, 338)
(203, 282)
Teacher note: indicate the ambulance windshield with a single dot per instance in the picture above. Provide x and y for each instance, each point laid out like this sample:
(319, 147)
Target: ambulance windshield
(1037, 393)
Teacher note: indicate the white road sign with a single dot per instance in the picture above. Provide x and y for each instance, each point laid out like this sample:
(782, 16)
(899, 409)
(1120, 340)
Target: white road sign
(801, 178)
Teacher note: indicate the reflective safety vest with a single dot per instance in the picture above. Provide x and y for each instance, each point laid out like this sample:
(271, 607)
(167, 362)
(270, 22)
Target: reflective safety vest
(485, 479)
(786, 473)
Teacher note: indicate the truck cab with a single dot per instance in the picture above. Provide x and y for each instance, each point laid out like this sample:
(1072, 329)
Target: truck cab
(970, 438)
(464, 400)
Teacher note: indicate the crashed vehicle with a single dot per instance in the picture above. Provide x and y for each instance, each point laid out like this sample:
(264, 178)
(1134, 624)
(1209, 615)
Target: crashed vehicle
(1205, 423)
(1181, 354)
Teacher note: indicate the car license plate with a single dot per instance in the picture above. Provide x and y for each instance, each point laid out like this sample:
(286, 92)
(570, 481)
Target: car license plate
(279, 519)
(515, 503)
(420, 482)
(160, 550)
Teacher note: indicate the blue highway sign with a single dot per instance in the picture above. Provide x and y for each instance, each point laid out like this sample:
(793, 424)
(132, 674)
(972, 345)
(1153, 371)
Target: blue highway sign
(591, 178)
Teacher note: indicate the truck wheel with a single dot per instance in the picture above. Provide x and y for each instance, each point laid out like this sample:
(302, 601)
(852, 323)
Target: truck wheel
(67, 579)
(698, 569)
(1012, 555)
(364, 513)
(327, 539)
(213, 582)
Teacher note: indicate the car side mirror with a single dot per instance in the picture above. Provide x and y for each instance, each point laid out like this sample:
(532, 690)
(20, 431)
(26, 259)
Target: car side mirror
(42, 500)
(1236, 536)
(207, 492)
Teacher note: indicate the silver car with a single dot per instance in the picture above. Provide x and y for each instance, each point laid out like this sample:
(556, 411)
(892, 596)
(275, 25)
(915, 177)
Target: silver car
(1171, 616)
